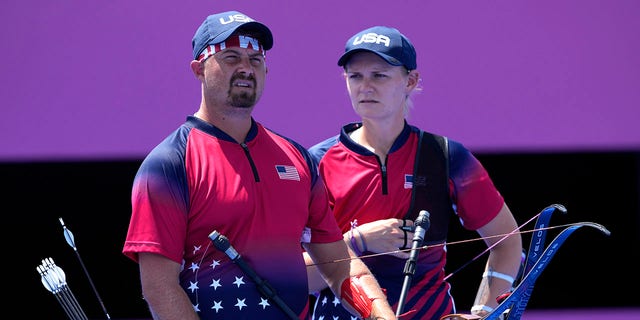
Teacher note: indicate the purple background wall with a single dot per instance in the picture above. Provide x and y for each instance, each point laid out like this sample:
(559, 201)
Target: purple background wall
(109, 79)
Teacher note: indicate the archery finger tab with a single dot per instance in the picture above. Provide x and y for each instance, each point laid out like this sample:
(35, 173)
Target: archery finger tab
(404, 245)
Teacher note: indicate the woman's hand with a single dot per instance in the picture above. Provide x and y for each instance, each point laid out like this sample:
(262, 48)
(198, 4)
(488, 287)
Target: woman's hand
(387, 235)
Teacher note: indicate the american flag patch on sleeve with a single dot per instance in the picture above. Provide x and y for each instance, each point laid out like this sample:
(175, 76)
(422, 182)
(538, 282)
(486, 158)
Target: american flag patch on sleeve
(287, 172)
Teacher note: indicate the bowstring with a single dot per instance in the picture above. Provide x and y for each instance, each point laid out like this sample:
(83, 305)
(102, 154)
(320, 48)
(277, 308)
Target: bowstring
(448, 243)
(514, 231)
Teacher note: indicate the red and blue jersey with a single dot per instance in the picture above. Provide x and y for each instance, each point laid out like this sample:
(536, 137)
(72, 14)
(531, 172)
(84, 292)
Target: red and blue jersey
(264, 195)
(362, 188)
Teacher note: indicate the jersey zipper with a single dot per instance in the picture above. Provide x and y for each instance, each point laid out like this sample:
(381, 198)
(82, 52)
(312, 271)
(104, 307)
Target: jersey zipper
(383, 171)
(253, 165)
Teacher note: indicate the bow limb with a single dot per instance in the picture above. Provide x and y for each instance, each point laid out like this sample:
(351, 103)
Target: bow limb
(539, 236)
(515, 303)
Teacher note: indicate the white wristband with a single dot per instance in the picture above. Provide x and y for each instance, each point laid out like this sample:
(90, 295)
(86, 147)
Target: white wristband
(495, 274)
(481, 307)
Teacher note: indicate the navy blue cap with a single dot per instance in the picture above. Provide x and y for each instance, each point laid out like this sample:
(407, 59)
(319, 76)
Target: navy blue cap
(386, 42)
(216, 28)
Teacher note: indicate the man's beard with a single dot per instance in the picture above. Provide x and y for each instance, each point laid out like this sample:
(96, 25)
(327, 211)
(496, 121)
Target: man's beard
(243, 99)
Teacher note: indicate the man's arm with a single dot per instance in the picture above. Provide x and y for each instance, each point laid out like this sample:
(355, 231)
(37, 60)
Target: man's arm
(161, 289)
(314, 278)
(350, 279)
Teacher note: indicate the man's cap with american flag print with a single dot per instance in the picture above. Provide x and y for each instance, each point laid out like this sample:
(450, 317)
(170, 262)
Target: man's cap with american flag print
(216, 28)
